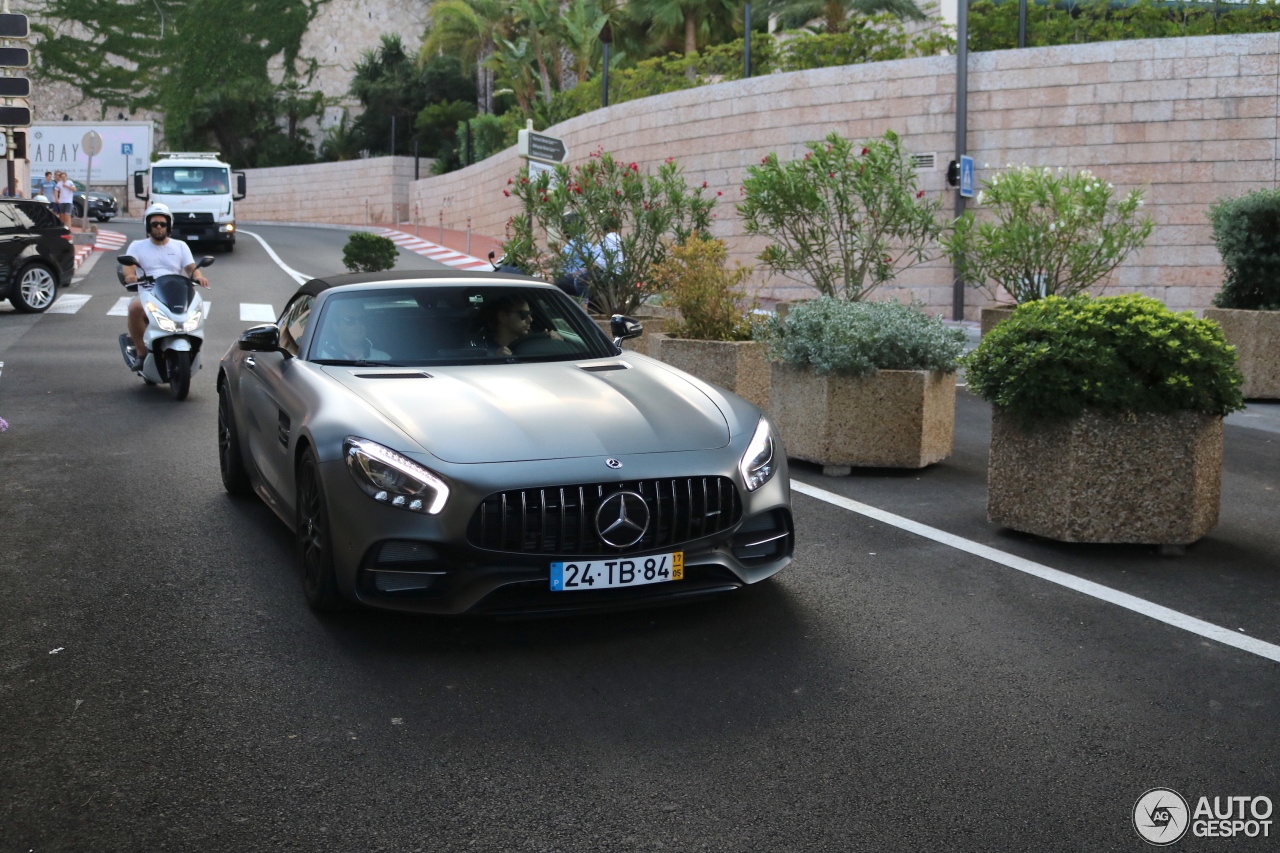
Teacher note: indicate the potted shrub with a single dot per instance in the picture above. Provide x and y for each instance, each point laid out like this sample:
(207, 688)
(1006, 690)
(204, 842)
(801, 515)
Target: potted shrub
(1049, 233)
(865, 384)
(1107, 420)
(1247, 233)
(712, 340)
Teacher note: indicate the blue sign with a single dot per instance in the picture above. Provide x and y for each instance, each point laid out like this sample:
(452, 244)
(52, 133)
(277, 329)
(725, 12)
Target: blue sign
(966, 176)
(126, 148)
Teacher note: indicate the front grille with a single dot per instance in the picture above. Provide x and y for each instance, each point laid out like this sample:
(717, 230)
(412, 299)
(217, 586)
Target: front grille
(180, 219)
(562, 519)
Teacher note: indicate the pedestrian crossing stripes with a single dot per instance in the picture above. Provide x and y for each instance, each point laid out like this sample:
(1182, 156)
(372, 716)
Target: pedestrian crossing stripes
(434, 251)
(256, 312)
(121, 308)
(69, 303)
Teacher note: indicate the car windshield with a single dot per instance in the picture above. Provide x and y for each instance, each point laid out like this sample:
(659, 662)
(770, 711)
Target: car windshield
(439, 325)
(190, 180)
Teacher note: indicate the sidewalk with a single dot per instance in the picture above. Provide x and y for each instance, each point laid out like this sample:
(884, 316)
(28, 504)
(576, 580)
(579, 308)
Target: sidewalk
(480, 244)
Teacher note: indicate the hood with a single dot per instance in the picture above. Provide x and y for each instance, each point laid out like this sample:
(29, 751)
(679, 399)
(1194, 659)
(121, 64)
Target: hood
(523, 412)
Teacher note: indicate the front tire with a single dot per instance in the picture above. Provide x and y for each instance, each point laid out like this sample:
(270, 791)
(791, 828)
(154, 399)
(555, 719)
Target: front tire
(315, 540)
(36, 290)
(235, 477)
(179, 373)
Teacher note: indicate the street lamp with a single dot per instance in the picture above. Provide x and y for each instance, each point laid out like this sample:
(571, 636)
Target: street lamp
(606, 39)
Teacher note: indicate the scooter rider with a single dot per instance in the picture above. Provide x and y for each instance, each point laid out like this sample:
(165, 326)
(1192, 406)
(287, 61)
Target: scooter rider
(157, 255)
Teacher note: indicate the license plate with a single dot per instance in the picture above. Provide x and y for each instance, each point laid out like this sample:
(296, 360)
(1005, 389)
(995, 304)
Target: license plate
(610, 574)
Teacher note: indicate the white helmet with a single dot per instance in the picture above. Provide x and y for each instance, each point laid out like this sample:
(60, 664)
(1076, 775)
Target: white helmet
(157, 210)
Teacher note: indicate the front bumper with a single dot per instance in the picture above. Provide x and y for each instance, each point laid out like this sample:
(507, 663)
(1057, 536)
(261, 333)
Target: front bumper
(204, 235)
(435, 568)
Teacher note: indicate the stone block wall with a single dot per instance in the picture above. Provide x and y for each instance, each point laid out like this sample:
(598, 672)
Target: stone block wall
(1185, 120)
(332, 192)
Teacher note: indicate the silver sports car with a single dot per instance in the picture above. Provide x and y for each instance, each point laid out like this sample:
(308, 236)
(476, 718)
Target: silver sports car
(473, 443)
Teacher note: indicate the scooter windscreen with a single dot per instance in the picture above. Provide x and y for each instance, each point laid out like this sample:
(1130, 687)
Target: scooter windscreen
(174, 291)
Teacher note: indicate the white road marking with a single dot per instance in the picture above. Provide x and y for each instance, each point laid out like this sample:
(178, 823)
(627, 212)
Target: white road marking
(69, 303)
(299, 277)
(108, 240)
(434, 251)
(257, 312)
(121, 308)
(1104, 593)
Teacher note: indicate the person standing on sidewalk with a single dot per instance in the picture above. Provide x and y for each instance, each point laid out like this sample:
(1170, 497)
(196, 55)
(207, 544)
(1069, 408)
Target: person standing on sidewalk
(47, 188)
(66, 197)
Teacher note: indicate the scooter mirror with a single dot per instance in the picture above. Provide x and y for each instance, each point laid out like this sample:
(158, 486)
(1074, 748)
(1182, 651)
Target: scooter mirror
(206, 261)
(127, 260)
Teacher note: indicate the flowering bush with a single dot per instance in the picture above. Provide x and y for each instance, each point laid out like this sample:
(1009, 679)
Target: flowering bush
(572, 212)
(1052, 233)
(708, 296)
(845, 219)
(1119, 355)
(859, 338)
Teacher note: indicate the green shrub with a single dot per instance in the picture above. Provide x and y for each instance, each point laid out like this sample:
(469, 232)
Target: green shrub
(369, 253)
(1247, 232)
(1119, 355)
(859, 338)
(708, 296)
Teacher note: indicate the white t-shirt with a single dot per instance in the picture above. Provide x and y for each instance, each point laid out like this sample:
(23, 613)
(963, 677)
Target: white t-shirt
(66, 192)
(170, 258)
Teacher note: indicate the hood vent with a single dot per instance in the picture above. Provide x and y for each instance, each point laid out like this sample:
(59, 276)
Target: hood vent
(602, 368)
(393, 376)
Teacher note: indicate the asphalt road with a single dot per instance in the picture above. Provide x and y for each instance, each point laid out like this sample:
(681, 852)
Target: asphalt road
(163, 686)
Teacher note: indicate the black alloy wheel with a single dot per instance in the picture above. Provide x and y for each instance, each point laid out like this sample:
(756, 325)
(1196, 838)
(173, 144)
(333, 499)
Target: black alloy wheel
(179, 373)
(314, 542)
(235, 477)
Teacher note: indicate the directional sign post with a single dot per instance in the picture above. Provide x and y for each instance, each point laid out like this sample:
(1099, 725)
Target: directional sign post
(91, 144)
(537, 146)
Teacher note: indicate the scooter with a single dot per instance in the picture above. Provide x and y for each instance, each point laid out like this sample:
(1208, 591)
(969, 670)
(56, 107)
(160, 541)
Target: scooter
(175, 327)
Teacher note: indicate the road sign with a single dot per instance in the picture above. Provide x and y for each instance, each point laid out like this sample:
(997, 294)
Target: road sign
(14, 57)
(966, 176)
(126, 148)
(15, 87)
(536, 146)
(14, 27)
(15, 117)
(91, 143)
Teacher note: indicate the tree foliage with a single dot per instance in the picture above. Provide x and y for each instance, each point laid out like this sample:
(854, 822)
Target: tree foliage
(1246, 231)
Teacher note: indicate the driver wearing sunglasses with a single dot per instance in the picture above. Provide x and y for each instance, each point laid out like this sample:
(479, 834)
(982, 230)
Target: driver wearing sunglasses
(507, 321)
(157, 255)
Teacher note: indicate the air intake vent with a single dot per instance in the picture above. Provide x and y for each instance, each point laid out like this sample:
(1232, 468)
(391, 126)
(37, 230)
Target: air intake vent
(601, 368)
(924, 161)
(562, 519)
(393, 376)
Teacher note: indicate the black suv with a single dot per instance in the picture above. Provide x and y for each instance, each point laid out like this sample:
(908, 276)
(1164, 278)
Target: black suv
(36, 255)
(102, 206)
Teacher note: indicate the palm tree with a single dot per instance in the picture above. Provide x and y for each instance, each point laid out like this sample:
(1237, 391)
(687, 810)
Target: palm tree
(690, 15)
(470, 30)
(834, 13)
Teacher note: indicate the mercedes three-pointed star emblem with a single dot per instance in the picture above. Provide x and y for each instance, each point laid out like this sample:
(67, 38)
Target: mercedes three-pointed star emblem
(622, 519)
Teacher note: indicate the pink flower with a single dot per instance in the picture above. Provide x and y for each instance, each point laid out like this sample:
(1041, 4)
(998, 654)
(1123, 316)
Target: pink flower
(719, 193)
(704, 185)
(920, 194)
(669, 160)
(633, 167)
(508, 180)
(831, 174)
(507, 193)
(866, 151)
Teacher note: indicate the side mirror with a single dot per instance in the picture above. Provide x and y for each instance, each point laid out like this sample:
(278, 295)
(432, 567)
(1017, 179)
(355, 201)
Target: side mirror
(264, 338)
(206, 261)
(240, 186)
(127, 260)
(491, 255)
(138, 188)
(624, 328)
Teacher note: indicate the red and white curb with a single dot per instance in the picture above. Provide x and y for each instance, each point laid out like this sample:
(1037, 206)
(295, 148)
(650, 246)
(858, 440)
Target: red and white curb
(434, 251)
(107, 241)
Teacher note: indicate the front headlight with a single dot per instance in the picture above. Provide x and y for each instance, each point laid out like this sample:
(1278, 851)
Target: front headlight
(227, 227)
(162, 320)
(390, 478)
(192, 323)
(757, 464)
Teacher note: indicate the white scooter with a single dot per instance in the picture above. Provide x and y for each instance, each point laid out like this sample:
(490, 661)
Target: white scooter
(175, 327)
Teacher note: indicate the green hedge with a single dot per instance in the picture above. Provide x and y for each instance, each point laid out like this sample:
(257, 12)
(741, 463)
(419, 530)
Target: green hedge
(369, 253)
(1247, 232)
(1119, 355)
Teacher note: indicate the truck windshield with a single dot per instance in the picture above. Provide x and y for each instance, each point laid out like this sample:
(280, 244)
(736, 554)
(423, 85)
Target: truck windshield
(189, 180)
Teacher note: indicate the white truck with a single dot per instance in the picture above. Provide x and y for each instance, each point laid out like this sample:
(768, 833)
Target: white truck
(196, 186)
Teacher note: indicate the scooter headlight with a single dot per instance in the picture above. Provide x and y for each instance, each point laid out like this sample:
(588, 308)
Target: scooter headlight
(161, 319)
(390, 478)
(758, 463)
(192, 323)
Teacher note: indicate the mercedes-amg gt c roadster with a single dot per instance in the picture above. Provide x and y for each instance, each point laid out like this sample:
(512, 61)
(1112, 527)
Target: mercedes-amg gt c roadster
(454, 442)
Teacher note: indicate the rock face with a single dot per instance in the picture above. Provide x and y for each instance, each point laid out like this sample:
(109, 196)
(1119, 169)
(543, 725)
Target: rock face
(1155, 479)
(1256, 337)
(891, 419)
(737, 366)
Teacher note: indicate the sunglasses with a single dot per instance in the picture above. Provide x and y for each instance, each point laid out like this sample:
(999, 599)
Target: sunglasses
(159, 223)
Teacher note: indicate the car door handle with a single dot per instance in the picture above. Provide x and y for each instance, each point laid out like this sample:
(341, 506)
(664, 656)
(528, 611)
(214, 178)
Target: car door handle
(250, 362)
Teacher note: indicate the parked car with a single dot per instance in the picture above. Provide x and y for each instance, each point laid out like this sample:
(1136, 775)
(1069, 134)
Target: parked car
(472, 442)
(102, 206)
(36, 256)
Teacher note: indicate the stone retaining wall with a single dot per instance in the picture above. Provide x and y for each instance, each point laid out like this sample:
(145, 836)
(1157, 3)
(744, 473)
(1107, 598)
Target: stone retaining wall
(332, 192)
(1188, 119)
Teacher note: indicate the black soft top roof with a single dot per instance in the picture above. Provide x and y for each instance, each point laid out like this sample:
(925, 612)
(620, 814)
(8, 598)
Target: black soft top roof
(316, 286)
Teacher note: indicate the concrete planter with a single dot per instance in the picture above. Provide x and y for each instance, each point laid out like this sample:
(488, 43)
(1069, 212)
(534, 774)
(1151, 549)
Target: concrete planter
(891, 419)
(1154, 480)
(737, 366)
(992, 316)
(1256, 337)
(652, 326)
